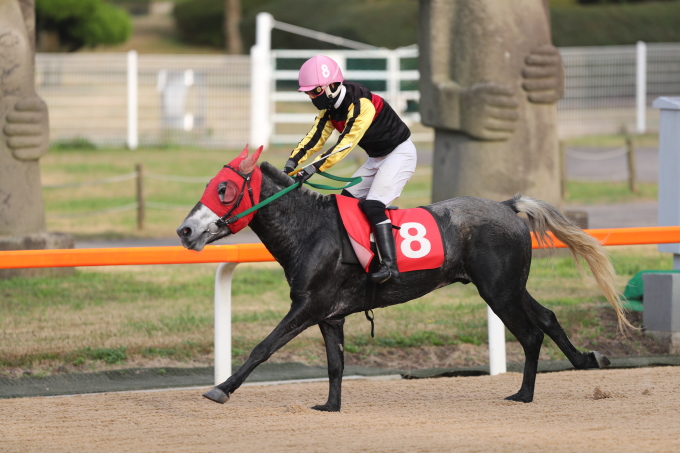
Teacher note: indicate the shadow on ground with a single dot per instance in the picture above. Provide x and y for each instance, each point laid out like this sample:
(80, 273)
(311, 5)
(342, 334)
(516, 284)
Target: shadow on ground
(160, 378)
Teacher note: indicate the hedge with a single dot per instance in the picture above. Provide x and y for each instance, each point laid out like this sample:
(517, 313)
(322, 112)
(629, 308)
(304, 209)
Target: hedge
(616, 25)
(81, 23)
(393, 23)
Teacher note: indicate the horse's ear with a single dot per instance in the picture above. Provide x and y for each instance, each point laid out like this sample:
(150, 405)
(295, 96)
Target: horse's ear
(248, 164)
(244, 153)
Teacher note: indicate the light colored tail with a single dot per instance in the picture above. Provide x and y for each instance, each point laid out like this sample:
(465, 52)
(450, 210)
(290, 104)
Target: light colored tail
(543, 216)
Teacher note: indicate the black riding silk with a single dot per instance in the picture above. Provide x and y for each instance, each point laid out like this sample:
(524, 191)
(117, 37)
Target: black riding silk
(362, 118)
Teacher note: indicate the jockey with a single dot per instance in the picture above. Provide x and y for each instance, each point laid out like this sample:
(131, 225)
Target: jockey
(363, 119)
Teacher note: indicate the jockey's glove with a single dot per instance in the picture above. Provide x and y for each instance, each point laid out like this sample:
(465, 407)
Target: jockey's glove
(305, 174)
(289, 167)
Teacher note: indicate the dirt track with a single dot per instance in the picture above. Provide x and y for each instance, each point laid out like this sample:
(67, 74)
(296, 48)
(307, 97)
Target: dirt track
(610, 410)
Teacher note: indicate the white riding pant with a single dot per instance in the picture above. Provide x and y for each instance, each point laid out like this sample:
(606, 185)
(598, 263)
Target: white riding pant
(383, 178)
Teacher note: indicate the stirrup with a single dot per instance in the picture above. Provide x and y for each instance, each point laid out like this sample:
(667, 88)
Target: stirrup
(379, 276)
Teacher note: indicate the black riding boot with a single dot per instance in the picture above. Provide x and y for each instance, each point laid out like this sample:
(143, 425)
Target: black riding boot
(385, 241)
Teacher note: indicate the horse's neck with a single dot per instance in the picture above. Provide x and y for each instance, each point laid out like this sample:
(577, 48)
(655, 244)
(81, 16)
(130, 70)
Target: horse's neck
(284, 225)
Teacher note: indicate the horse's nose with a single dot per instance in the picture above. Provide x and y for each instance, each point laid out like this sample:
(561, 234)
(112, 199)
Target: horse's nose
(184, 231)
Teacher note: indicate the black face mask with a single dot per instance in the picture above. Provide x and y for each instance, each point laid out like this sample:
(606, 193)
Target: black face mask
(322, 101)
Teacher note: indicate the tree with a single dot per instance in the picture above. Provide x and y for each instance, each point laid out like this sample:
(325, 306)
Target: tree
(215, 23)
(232, 19)
(68, 25)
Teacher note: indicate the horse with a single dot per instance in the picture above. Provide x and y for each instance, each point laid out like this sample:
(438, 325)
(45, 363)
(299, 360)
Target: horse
(486, 243)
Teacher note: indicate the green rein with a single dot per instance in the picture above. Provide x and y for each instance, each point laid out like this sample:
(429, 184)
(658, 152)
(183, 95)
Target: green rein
(350, 182)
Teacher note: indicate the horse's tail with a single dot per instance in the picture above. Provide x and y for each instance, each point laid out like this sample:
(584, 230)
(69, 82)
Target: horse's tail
(543, 216)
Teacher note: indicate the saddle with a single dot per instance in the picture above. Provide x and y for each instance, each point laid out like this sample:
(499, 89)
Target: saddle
(418, 240)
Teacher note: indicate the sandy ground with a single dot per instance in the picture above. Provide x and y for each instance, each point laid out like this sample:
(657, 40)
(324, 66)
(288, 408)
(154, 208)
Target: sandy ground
(601, 410)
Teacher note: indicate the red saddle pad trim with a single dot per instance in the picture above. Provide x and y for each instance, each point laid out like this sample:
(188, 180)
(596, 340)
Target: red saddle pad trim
(418, 242)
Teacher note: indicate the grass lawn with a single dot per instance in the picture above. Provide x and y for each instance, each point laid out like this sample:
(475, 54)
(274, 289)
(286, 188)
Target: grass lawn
(67, 209)
(146, 316)
(609, 192)
(169, 202)
(162, 315)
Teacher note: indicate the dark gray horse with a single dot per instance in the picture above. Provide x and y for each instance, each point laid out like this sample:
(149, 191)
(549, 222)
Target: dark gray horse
(485, 242)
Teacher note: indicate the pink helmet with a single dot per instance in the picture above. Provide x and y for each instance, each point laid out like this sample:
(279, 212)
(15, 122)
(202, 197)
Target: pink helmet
(319, 71)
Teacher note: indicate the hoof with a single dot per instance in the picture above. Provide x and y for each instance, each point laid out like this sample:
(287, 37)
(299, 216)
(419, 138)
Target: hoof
(520, 398)
(602, 361)
(326, 408)
(216, 395)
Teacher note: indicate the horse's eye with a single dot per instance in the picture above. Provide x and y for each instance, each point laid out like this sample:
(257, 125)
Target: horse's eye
(227, 192)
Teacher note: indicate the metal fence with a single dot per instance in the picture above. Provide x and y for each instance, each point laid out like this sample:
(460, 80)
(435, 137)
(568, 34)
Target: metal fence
(600, 87)
(200, 100)
(205, 100)
(392, 74)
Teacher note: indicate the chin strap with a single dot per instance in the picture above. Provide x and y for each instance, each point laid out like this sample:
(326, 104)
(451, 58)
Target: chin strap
(333, 94)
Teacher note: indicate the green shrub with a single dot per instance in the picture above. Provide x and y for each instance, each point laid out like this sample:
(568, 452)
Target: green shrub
(82, 23)
(201, 21)
(394, 23)
(616, 25)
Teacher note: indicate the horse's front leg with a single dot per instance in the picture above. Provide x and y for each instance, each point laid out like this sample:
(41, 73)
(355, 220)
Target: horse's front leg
(334, 337)
(300, 317)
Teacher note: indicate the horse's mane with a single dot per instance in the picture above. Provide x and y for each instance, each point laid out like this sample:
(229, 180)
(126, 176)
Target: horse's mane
(275, 174)
(279, 178)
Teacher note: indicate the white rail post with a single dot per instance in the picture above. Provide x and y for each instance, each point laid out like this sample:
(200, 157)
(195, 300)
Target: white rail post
(641, 86)
(132, 131)
(497, 363)
(260, 82)
(223, 322)
(394, 81)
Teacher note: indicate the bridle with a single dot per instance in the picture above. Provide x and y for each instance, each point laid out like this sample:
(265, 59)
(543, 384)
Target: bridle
(215, 227)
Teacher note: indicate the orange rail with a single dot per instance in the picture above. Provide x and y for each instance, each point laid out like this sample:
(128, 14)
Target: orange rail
(629, 236)
(242, 253)
(238, 253)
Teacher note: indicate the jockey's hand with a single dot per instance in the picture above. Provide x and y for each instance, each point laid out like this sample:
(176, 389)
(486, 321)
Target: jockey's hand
(289, 167)
(305, 174)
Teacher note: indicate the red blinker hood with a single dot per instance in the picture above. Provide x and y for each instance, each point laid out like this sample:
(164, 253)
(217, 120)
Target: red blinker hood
(211, 198)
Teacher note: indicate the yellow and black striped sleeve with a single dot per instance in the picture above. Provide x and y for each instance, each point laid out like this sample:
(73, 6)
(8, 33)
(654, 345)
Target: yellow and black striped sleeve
(358, 121)
(315, 138)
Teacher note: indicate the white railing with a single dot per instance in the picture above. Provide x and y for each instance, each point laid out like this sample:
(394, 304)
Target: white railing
(191, 100)
(611, 88)
(215, 101)
(382, 70)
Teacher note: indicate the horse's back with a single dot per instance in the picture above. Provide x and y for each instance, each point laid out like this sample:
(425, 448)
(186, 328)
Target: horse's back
(479, 222)
(471, 211)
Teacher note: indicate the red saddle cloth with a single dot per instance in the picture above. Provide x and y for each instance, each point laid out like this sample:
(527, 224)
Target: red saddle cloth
(418, 242)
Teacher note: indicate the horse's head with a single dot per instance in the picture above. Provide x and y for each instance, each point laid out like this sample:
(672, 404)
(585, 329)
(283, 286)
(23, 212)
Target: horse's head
(233, 190)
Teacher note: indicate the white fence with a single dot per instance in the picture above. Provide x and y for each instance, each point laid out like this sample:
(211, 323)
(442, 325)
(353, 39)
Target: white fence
(199, 100)
(602, 95)
(391, 74)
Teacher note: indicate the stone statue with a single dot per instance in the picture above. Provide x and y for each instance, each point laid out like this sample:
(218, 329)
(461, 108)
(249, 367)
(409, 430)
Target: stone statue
(24, 126)
(489, 82)
(24, 136)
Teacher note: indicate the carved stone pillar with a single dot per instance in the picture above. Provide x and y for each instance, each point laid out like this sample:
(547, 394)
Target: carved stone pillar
(489, 81)
(24, 137)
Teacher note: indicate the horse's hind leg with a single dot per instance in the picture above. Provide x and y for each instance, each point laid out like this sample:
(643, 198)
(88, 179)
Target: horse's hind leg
(546, 320)
(334, 337)
(508, 307)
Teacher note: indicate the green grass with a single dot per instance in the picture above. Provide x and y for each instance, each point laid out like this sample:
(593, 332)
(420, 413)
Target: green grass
(67, 165)
(613, 141)
(103, 318)
(592, 193)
